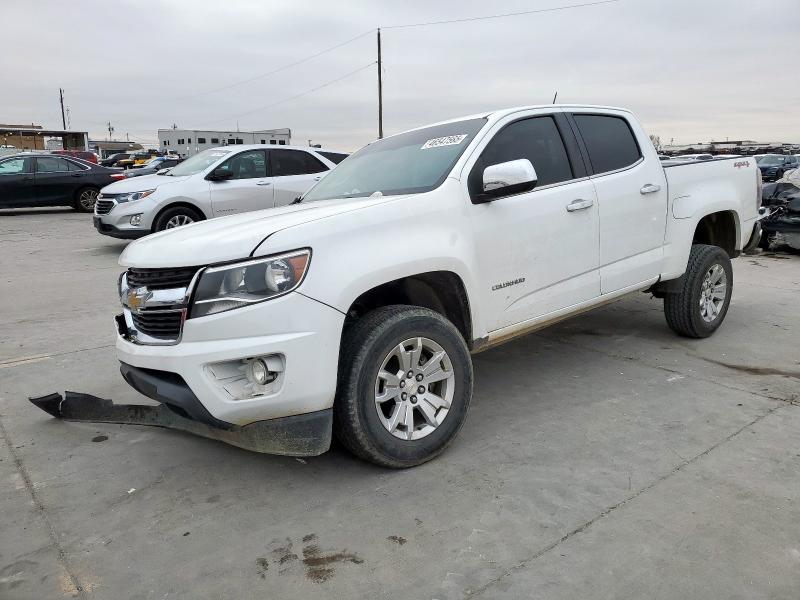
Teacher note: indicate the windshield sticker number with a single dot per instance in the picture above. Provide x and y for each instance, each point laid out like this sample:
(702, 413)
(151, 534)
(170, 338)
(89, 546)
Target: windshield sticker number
(448, 140)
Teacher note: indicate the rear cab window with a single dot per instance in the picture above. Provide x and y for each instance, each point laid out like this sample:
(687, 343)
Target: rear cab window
(609, 141)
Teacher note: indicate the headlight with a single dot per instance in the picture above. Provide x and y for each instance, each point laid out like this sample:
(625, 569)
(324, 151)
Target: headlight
(134, 196)
(241, 284)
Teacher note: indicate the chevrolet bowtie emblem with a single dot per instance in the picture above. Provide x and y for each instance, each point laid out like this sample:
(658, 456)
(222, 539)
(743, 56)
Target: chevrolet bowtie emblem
(137, 298)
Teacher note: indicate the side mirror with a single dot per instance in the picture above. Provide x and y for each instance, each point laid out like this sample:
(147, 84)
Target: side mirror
(505, 179)
(219, 175)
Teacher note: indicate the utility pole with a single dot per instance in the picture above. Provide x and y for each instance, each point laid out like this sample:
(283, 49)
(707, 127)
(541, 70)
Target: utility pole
(63, 118)
(380, 89)
(110, 130)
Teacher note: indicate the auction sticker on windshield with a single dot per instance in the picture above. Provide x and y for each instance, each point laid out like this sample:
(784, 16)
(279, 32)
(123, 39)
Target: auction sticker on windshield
(448, 140)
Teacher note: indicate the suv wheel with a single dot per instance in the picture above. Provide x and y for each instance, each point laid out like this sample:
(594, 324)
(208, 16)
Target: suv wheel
(85, 199)
(405, 383)
(699, 308)
(176, 217)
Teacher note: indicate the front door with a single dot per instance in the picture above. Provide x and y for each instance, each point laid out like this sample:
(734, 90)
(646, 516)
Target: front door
(537, 251)
(632, 196)
(295, 171)
(16, 182)
(248, 188)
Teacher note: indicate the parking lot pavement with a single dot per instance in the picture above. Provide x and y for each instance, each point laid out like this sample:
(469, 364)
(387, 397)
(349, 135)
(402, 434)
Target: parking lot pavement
(602, 458)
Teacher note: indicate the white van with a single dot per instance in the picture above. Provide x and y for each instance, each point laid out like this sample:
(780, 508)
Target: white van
(214, 183)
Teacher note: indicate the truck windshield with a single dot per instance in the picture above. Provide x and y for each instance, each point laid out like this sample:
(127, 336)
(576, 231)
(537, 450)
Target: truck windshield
(408, 163)
(198, 162)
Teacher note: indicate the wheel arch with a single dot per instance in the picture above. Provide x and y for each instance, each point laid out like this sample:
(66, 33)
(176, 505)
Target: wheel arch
(441, 291)
(182, 203)
(720, 228)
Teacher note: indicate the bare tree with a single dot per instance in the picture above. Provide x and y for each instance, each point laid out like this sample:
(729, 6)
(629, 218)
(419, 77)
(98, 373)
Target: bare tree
(656, 139)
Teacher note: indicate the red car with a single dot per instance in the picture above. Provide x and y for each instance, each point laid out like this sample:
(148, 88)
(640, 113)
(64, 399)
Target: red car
(83, 155)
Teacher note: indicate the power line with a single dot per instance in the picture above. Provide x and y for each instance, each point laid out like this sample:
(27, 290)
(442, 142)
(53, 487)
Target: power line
(279, 69)
(319, 87)
(500, 16)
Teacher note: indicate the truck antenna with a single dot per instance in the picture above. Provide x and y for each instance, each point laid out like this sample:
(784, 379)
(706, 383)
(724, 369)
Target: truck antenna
(555, 96)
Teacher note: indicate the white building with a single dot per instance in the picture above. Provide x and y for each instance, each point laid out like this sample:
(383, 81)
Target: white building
(188, 142)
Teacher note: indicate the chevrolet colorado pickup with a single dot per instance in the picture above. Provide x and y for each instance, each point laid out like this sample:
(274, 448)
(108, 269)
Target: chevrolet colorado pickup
(355, 311)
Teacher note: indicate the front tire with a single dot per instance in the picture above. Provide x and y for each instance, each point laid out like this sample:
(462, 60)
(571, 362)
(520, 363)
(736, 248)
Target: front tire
(85, 199)
(699, 308)
(405, 384)
(177, 216)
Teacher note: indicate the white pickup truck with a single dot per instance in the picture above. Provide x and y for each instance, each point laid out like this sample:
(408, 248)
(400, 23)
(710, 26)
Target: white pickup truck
(356, 310)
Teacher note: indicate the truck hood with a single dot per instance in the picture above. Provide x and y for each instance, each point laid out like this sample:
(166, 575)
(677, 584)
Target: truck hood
(234, 237)
(140, 183)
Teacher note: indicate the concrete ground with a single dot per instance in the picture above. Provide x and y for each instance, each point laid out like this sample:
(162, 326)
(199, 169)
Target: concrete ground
(603, 458)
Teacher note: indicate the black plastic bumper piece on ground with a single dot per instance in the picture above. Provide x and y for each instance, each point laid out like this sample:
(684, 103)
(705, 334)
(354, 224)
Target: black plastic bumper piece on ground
(170, 389)
(301, 435)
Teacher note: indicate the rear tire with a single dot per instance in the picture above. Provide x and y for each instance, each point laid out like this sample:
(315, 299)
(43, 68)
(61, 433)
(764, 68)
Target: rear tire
(699, 308)
(84, 199)
(177, 216)
(405, 384)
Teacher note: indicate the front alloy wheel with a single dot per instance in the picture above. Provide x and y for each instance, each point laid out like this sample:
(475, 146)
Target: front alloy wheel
(178, 221)
(405, 383)
(414, 388)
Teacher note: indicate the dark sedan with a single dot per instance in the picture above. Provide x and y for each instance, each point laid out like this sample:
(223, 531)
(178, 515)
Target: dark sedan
(28, 180)
(154, 165)
(112, 160)
(773, 166)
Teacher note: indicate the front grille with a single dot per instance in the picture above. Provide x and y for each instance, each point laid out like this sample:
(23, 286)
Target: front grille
(159, 324)
(161, 279)
(103, 207)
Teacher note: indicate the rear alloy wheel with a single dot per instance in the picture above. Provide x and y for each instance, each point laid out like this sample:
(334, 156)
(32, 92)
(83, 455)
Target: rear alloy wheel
(176, 217)
(405, 383)
(700, 306)
(85, 199)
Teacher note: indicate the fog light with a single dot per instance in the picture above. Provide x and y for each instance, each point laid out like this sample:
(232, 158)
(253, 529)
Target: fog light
(136, 220)
(259, 373)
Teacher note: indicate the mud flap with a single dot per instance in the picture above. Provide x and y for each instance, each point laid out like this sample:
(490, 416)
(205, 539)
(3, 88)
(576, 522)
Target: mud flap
(301, 435)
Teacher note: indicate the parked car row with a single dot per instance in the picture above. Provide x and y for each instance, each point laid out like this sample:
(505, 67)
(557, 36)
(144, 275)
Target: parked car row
(213, 183)
(29, 180)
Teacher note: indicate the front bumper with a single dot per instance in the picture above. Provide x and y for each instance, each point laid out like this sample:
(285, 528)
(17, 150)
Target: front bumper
(115, 232)
(301, 333)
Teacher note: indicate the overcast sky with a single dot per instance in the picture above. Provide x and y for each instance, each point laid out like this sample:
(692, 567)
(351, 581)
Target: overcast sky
(691, 69)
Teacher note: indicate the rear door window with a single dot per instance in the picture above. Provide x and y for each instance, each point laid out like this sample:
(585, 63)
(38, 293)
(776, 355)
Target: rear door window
(609, 141)
(49, 164)
(294, 162)
(536, 139)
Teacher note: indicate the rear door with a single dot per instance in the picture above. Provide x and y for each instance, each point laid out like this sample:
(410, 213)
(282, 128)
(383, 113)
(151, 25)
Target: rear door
(16, 182)
(294, 172)
(249, 188)
(537, 251)
(632, 197)
(57, 180)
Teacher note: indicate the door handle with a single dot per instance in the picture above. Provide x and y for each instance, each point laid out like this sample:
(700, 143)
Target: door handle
(317, 178)
(579, 205)
(75, 175)
(650, 188)
(264, 183)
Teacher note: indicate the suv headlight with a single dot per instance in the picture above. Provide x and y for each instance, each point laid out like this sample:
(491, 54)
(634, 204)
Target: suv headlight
(245, 283)
(135, 196)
